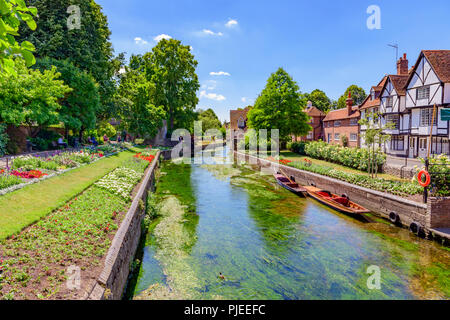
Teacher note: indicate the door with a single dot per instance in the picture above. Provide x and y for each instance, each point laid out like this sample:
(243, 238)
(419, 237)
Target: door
(423, 147)
(412, 147)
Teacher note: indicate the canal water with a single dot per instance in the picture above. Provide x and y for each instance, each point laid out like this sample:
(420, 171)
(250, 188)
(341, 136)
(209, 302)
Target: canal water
(270, 244)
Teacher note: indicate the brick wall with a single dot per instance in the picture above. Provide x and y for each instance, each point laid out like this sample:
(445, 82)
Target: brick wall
(344, 129)
(439, 212)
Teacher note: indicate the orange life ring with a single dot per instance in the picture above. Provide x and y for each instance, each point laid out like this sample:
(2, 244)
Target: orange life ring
(427, 180)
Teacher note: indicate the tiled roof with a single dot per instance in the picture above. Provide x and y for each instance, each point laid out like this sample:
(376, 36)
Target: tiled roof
(314, 112)
(369, 103)
(440, 61)
(341, 114)
(399, 83)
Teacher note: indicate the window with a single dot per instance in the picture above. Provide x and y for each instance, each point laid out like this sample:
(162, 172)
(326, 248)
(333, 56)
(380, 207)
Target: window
(353, 137)
(329, 137)
(426, 115)
(389, 102)
(397, 143)
(310, 135)
(394, 120)
(241, 123)
(336, 136)
(354, 121)
(337, 123)
(423, 93)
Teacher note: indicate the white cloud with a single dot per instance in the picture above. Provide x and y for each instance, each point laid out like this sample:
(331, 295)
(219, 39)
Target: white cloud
(212, 33)
(231, 23)
(139, 40)
(158, 38)
(209, 85)
(220, 73)
(244, 99)
(212, 96)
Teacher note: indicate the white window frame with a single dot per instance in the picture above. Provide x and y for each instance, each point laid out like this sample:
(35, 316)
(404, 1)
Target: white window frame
(337, 123)
(423, 93)
(337, 137)
(426, 115)
(389, 102)
(355, 135)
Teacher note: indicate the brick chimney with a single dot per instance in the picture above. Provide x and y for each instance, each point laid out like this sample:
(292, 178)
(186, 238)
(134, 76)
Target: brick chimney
(349, 103)
(402, 66)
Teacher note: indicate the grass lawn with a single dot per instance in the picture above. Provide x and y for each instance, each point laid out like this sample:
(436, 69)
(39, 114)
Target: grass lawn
(26, 206)
(296, 157)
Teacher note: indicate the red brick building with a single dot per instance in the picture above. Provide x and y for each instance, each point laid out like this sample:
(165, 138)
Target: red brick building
(343, 122)
(316, 123)
(238, 120)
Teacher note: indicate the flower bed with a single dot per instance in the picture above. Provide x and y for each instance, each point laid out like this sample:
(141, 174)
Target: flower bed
(391, 186)
(27, 168)
(35, 263)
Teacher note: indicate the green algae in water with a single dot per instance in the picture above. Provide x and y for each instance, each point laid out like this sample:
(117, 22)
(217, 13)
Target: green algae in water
(270, 244)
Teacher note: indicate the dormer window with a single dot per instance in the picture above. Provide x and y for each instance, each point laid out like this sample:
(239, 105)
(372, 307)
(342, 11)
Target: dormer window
(241, 123)
(372, 93)
(423, 93)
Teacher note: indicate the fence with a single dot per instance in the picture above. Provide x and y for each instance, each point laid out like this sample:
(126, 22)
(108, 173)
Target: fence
(440, 179)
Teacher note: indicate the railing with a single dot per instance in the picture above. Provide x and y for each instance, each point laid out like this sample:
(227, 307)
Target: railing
(436, 176)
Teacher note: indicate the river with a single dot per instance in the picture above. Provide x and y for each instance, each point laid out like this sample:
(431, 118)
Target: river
(270, 244)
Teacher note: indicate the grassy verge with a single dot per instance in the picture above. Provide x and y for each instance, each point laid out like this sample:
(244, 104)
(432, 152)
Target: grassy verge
(26, 206)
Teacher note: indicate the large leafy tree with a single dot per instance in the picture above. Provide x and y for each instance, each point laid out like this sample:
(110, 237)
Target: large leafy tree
(139, 115)
(170, 67)
(12, 12)
(30, 97)
(87, 47)
(320, 100)
(358, 96)
(209, 119)
(280, 106)
(78, 111)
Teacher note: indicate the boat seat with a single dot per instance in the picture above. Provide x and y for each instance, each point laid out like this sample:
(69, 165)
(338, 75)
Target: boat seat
(324, 194)
(292, 185)
(342, 200)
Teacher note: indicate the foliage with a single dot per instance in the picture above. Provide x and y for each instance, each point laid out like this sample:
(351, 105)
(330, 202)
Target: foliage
(319, 100)
(374, 136)
(209, 120)
(4, 138)
(356, 158)
(139, 114)
(297, 147)
(12, 13)
(170, 67)
(7, 181)
(439, 170)
(31, 97)
(280, 106)
(358, 96)
(79, 107)
(390, 186)
(88, 48)
(107, 128)
(344, 140)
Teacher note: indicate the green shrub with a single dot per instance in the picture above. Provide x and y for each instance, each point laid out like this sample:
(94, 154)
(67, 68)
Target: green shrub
(356, 158)
(297, 147)
(7, 181)
(390, 186)
(439, 169)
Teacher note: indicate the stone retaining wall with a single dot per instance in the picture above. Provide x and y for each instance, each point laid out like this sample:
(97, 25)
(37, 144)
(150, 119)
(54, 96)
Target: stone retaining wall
(399, 171)
(439, 212)
(378, 202)
(113, 279)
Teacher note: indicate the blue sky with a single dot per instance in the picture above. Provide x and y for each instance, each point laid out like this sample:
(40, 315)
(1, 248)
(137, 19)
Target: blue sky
(321, 44)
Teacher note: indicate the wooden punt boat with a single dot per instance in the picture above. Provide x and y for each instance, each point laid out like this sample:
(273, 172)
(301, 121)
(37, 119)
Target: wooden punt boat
(290, 185)
(341, 204)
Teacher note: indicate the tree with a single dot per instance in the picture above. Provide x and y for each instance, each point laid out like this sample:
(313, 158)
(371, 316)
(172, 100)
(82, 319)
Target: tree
(209, 120)
(80, 106)
(30, 97)
(170, 67)
(374, 137)
(4, 138)
(320, 100)
(358, 96)
(280, 106)
(138, 114)
(87, 47)
(12, 12)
